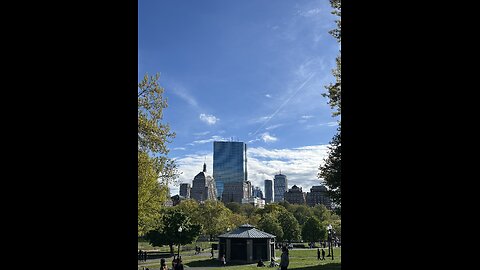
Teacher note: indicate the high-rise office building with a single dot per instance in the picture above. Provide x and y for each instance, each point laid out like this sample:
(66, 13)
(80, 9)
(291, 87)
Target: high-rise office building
(185, 190)
(280, 184)
(229, 164)
(268, 191)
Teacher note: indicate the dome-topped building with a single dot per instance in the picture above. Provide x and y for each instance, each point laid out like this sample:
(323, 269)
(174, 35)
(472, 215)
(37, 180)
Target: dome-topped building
(203, 186)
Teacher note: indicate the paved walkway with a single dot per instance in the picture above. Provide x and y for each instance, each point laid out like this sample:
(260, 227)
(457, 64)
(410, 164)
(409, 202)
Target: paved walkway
(150, 262)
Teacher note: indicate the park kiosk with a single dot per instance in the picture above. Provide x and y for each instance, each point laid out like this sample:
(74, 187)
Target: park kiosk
(246, 244)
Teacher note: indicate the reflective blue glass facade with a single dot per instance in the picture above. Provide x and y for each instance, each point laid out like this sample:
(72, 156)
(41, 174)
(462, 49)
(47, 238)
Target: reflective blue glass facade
(229, 163)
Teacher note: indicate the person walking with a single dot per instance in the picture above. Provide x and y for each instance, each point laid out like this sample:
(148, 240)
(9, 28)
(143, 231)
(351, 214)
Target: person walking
(284, 261)
(212, 253)
(174, 262)
(318, 254)
(323, 254)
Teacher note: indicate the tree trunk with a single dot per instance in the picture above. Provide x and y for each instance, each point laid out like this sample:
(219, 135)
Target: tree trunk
(171, 249)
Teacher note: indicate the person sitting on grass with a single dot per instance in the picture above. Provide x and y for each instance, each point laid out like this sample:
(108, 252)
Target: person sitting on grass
(260, 263)
(273, 263)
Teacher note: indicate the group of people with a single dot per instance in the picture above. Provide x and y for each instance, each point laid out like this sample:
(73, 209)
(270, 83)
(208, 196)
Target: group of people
(284, 260)
(318, 254)
(176, 263)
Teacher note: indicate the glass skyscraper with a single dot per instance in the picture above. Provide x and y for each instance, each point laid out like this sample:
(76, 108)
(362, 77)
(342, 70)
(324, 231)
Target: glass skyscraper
(229, 163)
(280, 186)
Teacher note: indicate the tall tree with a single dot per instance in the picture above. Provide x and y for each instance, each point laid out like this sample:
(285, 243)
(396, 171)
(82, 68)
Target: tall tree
(169, 234)
(321, 212)
(269, 223)
(290, 227)
(155, 170)
(215, 218)
(334, 92)
(313, 230)
(331, 170)
(301, 212)
(191, 208)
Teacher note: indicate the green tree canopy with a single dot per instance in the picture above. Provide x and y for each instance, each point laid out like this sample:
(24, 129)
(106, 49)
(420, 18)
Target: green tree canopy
(313, 230)
(155, 170)
(301, 212)
(321, 212)
(168, 233)
(191, 208)
(235, 207)
(290, 227)
(334, 90)
(215, 218)
(331, 170)
(269, 223)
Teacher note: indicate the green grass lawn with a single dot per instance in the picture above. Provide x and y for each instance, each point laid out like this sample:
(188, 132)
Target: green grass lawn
(299, 259)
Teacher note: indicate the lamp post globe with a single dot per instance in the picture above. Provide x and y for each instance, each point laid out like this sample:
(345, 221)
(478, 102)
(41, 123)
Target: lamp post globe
(180, 229)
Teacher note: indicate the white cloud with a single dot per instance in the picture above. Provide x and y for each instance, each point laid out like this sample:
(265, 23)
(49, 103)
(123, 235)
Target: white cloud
(209, 119)
(311, 12)
(201, 133)
(213, 138)
(183, 93)
(307, 116)
(179, 148)
(266, 137)
(332, 124)
(273, 126)
(268, 95)
(300, 165)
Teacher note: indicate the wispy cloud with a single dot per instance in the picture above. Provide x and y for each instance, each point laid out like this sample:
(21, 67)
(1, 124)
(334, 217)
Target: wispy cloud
(329, 124)
(304, 118)
(184, 94)
(309, 13)
(179, 148)
(201, 133)
(268, 96)
(209, 119)
(261, 119)
(273, 126)
(266, 137)
(286, 101)
(213, 138)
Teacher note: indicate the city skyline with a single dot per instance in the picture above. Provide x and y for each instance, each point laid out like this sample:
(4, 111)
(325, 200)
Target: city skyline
(254, 71)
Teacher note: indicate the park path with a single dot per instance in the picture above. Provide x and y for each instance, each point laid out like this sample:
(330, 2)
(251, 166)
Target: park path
(150, 262)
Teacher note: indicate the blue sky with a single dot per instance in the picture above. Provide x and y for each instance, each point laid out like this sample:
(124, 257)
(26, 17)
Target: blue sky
(251, 70)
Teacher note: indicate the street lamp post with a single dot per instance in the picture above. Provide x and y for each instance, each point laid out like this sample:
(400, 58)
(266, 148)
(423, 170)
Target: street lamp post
(179, 240)
(331, 236)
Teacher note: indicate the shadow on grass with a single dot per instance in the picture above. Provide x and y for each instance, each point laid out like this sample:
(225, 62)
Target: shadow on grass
(211, 263)
(328, 266)
(204, 263)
